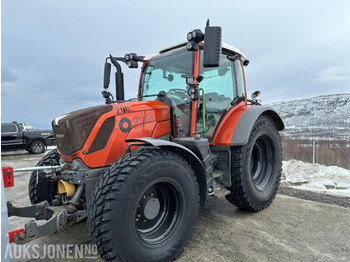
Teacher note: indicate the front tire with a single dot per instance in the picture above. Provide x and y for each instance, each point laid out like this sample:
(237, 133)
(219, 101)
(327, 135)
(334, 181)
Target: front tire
(256, 167)
(41, 187)
(144, 208)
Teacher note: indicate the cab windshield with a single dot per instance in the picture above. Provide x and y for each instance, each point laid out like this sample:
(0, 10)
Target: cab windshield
(167, 72)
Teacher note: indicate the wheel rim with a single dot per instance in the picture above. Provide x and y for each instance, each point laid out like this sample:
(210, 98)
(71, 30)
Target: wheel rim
(158, 212)
(262, 163)
(37, 147)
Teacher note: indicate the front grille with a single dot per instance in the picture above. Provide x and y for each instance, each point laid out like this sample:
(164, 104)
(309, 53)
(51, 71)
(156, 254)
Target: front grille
(72, 130)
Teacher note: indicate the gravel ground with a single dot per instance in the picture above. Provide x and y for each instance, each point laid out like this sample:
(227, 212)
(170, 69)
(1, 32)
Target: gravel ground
(305, 227)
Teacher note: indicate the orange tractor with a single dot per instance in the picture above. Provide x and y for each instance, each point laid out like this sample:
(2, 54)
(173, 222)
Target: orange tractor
(140, 169)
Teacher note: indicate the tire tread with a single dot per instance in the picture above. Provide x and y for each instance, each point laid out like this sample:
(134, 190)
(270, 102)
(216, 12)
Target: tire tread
(109, 188)
(35, 192)
(238, 193)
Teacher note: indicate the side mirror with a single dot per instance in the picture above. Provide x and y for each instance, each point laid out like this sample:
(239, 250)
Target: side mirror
(212, 46)
(106, 75)
(255, 95)
(190, 80)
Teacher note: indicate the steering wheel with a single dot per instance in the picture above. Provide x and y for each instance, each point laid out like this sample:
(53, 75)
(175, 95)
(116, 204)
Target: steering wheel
(179, 96)
(180, 93)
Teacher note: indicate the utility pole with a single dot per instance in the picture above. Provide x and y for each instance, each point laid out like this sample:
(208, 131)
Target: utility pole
(313, 151)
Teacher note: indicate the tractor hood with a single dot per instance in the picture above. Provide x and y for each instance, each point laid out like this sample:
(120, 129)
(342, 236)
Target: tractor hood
(96, 131)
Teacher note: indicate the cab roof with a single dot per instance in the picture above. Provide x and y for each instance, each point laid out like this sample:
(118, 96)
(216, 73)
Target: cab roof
(224, 46)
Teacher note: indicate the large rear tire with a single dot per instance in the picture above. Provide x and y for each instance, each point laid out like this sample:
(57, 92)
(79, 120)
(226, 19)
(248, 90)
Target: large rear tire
(256, 167)
(41, 187)
(144, 208)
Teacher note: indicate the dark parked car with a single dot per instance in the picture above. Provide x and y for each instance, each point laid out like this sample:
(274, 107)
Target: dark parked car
(23, 136)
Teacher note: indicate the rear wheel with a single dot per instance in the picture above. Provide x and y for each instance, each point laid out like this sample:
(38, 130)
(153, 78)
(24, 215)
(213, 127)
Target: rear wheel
(144, 208)
(41, 187)
(256, 167)
(37, 147)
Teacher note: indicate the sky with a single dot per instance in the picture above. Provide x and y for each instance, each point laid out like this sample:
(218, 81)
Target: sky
(52, 52)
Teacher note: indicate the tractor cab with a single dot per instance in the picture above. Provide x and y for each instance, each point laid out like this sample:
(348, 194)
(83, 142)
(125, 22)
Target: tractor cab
(218, 87)
(200, 80)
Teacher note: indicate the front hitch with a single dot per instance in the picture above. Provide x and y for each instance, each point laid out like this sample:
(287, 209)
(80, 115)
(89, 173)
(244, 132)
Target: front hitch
(58, 219)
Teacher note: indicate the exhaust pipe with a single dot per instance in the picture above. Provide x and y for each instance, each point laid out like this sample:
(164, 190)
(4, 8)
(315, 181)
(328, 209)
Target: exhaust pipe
(119, 79)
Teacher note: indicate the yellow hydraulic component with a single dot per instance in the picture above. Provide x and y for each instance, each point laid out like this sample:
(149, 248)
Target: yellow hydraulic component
(66, 187)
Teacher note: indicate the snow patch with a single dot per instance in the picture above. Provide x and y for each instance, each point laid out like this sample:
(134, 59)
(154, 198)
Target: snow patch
(331, 180)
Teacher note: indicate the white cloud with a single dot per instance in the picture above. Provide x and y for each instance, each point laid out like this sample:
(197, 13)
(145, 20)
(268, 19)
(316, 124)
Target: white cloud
(333, 74)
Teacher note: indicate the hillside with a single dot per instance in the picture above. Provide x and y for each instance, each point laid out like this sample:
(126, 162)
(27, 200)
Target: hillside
(319, 116)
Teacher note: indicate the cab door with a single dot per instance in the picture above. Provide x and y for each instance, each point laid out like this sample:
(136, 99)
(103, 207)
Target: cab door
(220, 85)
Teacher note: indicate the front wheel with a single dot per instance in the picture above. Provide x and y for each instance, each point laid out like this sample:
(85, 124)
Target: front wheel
(40, 186)
(256, 167)
(144, 208)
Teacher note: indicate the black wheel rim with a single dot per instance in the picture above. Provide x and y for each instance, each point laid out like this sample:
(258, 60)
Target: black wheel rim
(262, 162)
(38, 147)
(158, 212)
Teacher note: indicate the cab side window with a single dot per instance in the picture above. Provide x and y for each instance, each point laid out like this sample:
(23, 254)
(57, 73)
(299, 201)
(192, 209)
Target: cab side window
(9, 129)
(221, 85)
(239, 78)
(218, 84)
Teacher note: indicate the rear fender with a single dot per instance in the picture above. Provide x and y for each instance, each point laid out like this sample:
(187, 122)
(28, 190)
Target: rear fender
(187, 155)
(247, 121)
